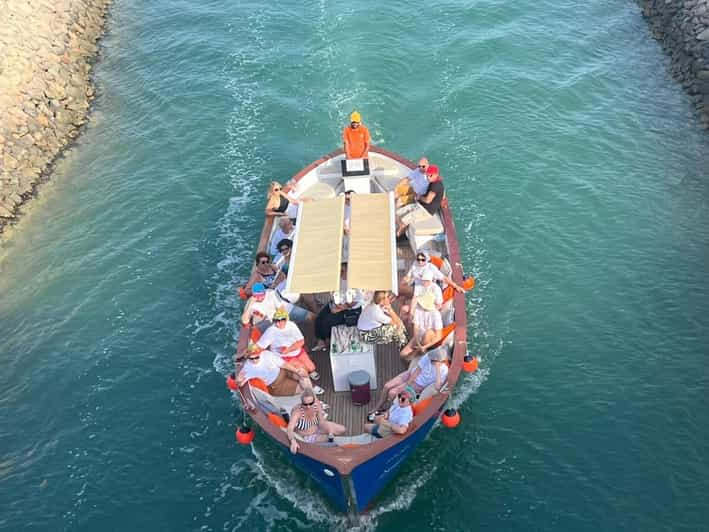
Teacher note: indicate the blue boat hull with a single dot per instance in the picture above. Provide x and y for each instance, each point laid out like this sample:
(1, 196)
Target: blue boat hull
(354, 492)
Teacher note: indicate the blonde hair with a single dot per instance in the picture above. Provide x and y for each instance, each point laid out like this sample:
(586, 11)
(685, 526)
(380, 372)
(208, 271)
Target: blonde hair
(273, 185)
(308, 392)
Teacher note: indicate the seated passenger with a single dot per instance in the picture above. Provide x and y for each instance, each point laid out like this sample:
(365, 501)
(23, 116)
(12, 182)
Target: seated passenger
(279, 203)
(427, 204)
(379, 324)
(421, 264)
(265, 273)
(344, 306)
(285, 339)
(426, 317)
(414, 184)
(262, 305)
(282, 259)
(307, 420)
(286, 229)
(431, 368)
(395, 421)
(281, 377)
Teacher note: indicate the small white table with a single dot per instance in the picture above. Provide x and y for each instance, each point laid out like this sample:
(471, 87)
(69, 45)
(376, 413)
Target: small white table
(345, 361)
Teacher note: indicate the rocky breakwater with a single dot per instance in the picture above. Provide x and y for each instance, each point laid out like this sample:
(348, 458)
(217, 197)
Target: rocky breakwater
(683, 28)
(46, 51)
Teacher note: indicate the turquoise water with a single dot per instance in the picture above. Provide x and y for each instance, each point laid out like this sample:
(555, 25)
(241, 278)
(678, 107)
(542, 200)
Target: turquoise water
(578, 178)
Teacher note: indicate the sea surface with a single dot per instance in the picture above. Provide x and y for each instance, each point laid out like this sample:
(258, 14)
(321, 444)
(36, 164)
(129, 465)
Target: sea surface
(579, 180)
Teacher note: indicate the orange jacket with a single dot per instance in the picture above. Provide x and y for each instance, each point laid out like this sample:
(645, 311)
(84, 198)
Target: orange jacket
(356, 142)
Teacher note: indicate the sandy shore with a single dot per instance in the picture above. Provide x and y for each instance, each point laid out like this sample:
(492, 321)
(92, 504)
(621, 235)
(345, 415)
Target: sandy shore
(46, 51)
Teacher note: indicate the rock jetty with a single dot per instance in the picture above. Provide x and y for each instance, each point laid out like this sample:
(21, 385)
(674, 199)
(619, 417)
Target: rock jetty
(683, 28)
(47, 48)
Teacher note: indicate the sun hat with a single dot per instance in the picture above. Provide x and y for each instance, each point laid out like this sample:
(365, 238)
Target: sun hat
(426, 301)
(258, 289)
(427, 275)
(355, 117)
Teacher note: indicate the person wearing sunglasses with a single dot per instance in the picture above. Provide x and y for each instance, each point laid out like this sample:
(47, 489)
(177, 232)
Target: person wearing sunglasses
(422, 263)
(265, 272)
(430, 369)
(425, 206)
(356, 138)
(279, 202)
(414, 184)
(395, 421)
(285, 339)
(308, 421)
(344, 308)
(285, 229)
(282, 378)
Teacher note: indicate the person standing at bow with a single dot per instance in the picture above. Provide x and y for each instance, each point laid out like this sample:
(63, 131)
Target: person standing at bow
(356, 138)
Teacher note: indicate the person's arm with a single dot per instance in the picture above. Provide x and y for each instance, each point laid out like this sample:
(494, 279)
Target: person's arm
(439, 379)
(294, 417)
(253, 279)
(295, 345)
(409, 277)
(449, 280)
(246, 315)
(427, 198)
(436, 338)
(413, 375)
(367, 141)
(346, 143)
(394, 316)
(294, 369)
(271, 206)
(280, 276)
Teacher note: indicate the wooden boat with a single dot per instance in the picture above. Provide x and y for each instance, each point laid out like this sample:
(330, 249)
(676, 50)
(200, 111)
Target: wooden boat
(354, 470)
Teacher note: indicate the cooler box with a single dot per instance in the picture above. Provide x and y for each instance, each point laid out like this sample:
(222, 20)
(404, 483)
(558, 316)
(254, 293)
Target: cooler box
(359, 386)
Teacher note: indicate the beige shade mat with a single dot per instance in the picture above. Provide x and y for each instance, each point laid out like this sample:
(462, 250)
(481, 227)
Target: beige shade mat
(317, 249)
(370, 262)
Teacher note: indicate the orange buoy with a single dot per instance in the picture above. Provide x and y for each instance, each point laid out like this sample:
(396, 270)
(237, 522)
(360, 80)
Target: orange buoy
(470, 363)
(242, 293)
(468, 282)
(450, 418)
(244, 435)
(231, 382)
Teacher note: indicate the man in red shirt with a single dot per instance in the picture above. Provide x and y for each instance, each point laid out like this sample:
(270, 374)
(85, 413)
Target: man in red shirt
(356, 137)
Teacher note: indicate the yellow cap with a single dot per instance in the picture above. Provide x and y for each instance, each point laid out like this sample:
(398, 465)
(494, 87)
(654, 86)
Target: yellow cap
(280, 314)
(253, 348)
(355, 117)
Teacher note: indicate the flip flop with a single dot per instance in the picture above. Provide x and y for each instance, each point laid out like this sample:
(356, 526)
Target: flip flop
(322, 347)
(373, 415)
(314, 375)
(317, 390)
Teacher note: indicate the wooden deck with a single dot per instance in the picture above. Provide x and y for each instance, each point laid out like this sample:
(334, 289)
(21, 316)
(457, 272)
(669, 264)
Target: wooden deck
(389, 364)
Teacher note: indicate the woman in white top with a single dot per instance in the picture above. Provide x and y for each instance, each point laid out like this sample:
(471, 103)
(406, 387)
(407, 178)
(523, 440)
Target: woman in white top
(379, 324)
(281, 377)
(427, 320)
